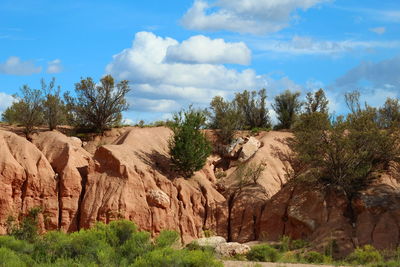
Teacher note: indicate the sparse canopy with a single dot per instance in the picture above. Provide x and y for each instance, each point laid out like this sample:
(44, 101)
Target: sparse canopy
(98, 106)
(54, 110)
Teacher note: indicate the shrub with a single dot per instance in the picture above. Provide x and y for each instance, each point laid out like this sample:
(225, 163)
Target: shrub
(167, 257)
(27, 229)
(139, 244)
(364, 255)
(9, 258)
(315, 257)
(98, 106)
(189, 148)
(19, 246)
(263, 253)
(166, 239)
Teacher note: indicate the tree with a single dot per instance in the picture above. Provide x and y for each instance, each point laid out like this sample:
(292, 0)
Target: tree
(345, 152)
(27, 110)
(225, 116)
(253, 107)
(389, 114)
(316, 102)
(98, 106)
(287, 106)
(54, 109)
(189, 148)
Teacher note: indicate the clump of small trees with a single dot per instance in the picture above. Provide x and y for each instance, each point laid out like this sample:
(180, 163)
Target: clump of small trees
(96, 107)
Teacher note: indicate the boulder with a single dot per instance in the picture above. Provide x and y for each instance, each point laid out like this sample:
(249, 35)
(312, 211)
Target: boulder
(158, 198)
(212, 241)
(231, 249)
(249, 149)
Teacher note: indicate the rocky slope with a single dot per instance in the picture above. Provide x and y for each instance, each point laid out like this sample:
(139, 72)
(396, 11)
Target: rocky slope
(127, 174)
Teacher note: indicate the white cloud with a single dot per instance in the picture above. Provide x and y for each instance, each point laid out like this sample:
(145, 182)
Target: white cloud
(54, 66)
(152, 76)
(153, 105)
(14, 66)
(5, 101)
(303, 45)
(378, 30)
(244, 16)
(128, 121)
(201, 49)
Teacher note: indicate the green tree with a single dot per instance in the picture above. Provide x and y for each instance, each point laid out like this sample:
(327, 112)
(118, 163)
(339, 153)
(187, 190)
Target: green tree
(54, 109)
(27, 110)
(253, 107)
(389, 114)
(287, 107)
(98, 106)
(226, 117)
(189, 147)
(316, 102)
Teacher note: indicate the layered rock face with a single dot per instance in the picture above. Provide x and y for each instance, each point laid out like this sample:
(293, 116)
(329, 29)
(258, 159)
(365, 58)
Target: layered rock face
(131, 177)
(27, 180)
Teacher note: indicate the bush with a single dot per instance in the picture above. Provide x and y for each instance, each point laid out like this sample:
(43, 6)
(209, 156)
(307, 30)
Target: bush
(189, 148)
(169, 257)
(364, 255)
(27, 229)
(139, 244)
(166, 239)
(263, 253)
(9, 258)
(315, 257)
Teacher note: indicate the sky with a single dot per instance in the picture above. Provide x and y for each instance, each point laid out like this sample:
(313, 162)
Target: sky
(180, 52)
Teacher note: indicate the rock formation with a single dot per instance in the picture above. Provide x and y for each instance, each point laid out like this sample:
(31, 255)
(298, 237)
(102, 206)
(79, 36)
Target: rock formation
(127, 174)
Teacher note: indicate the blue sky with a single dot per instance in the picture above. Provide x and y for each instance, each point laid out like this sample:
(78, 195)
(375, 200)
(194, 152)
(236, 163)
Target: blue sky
(176, 53)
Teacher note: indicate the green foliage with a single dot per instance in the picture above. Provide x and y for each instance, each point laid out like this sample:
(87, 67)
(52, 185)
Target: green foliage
(253, 107)
(263, 253)
(54, 109)
(9, 258)
(226, 117)
(343, 152)
(167, 257)
(27, 229)
(364, 255)
(27, 110)
(166, 239)
(389, 114)
(287, 106)
(315, 257)
(139, 244)
(97, 106)
(189, 148)
(316, 102)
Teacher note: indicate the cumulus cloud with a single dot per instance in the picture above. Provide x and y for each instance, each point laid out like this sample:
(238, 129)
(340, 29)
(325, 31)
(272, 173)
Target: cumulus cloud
(5, 101)
(165, 82)
(14, 66)
(303, 45)
(244, 16)
(153, 105)
(378, 30)
(201, 49)
(54, 66)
